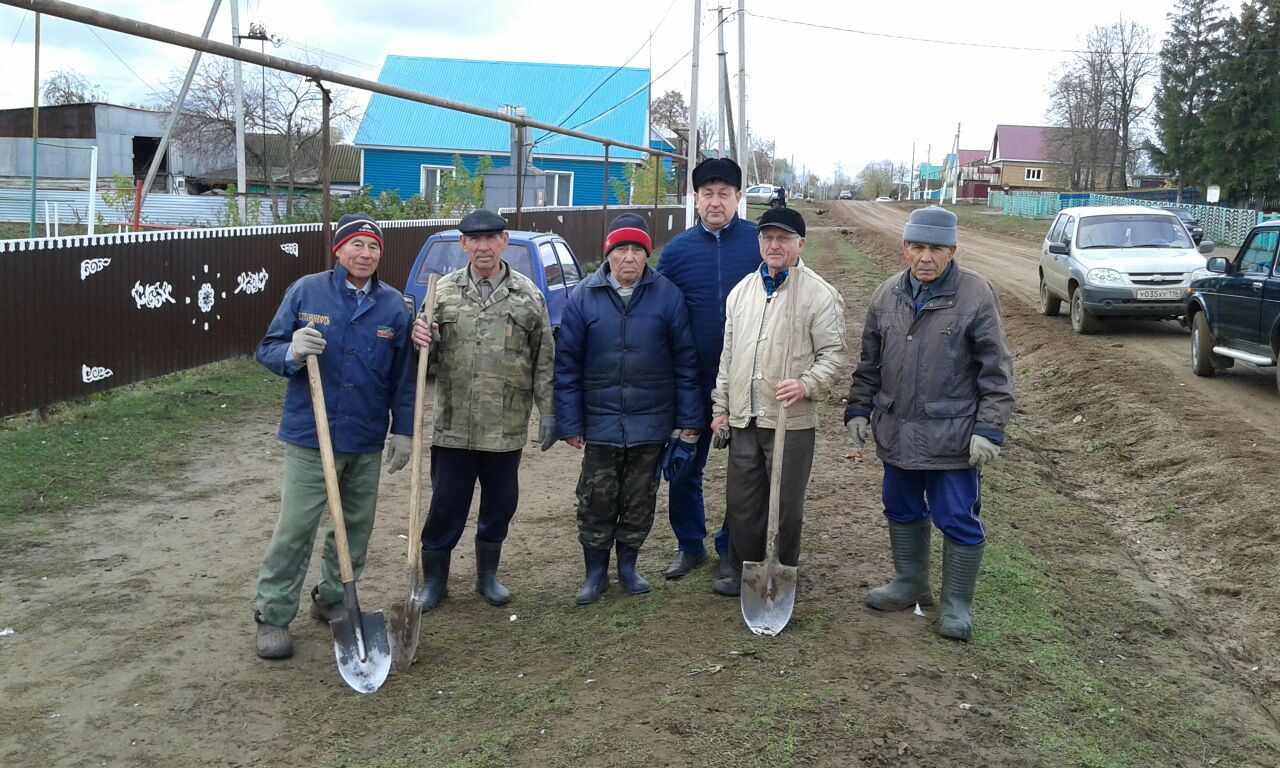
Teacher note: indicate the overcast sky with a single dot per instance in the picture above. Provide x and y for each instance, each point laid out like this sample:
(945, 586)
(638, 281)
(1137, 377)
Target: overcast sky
(826, 79)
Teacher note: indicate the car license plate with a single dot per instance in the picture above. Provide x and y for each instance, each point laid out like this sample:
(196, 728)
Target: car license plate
(1158, 294)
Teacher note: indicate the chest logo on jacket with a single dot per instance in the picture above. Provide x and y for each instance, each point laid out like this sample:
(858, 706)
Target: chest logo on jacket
(313, 317)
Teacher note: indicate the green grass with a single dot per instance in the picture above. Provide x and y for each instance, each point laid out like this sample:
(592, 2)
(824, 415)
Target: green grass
(992, 220)
(87, 447)
(846, 253)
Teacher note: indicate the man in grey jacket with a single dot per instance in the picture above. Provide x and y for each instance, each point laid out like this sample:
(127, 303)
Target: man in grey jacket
(934, 384)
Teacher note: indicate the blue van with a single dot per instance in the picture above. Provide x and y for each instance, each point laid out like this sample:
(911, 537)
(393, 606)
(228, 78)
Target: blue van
(543, 257)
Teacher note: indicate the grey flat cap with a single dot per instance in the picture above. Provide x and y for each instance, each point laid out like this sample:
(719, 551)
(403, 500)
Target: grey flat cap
(932, 225)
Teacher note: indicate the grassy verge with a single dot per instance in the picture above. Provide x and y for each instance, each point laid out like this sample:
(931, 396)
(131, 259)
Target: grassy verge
(994, 221)
(89, 450)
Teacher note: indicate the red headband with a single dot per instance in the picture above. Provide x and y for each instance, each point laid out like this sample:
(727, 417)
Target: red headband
(627, 235)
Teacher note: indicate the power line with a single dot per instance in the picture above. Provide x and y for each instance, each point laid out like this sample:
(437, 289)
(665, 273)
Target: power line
(330, 54)
(22, 21)
(126, 65)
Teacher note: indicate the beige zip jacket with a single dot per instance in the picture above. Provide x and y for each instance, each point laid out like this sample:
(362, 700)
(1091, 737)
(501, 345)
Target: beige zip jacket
(755, 342)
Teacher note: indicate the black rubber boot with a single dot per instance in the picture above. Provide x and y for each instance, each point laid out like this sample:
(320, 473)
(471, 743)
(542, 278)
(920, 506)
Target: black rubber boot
(487, 557)
(435, 574)
(959, 579)
(597, 582)
(631, 581)
(683, 563)
(910, 545)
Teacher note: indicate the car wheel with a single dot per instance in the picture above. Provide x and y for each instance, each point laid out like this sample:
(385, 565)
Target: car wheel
(1049, 304)
(1082, 322)
(1201, 347)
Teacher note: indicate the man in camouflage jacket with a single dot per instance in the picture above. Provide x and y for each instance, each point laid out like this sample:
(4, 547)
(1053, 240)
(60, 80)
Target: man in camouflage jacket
(492, 353)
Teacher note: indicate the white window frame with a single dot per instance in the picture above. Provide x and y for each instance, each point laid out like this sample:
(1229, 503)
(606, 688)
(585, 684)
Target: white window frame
(439, 171)
(1033, 174)
(558, 186)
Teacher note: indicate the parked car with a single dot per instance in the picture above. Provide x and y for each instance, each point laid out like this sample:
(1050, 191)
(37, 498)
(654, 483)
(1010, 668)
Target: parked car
(761, 194)
(1188, 220)
(1117, 261)
(543, 257)
(1234, 311)
(846, 194)
(883, 199)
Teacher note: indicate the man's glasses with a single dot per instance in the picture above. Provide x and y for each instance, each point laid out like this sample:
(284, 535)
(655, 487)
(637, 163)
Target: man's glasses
(778, 239)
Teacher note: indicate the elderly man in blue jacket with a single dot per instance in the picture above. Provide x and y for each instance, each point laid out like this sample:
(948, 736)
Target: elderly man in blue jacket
(359, 328)
(626, 385)
(706, 262)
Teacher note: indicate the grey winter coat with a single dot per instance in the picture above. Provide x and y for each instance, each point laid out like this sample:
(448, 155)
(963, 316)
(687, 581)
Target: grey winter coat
(932, 379)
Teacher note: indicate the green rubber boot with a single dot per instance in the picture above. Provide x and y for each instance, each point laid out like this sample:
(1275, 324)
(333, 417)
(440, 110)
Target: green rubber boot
(959, 578)
(909, 543)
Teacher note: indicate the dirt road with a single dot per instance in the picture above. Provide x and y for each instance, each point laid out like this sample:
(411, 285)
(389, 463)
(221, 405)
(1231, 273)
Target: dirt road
(1011, 264)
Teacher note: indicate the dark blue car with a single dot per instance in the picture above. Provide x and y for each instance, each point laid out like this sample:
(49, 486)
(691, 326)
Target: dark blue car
(543, 257)
(1234, 311)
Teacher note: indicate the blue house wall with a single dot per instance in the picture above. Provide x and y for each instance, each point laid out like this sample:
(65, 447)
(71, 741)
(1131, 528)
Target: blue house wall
(399, 171)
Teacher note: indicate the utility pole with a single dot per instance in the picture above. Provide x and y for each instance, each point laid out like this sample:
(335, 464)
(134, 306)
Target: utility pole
(239, 84)
(928, 163)
(911, 178)
(35, 131)
(722, 77)
(177, 108)
(693, 116)
(955, 149)
(742, 94)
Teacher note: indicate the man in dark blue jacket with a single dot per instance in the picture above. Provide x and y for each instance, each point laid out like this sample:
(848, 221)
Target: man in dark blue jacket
(359, 327)
(626, 383)
(705, 263)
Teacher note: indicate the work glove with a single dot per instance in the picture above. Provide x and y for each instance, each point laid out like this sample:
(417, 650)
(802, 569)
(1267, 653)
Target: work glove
(859, 428)
(398, 452)
(307, 341)
(982, 451)
(720, 438)
(679, 456)
(547, 432)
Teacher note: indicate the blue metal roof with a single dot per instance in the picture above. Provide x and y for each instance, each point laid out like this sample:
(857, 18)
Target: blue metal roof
(551, 93)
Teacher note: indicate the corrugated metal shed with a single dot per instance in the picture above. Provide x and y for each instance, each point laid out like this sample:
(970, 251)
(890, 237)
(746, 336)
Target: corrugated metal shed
(563, 94)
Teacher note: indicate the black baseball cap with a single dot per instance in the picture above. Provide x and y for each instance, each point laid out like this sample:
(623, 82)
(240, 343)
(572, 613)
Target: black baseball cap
(783, 218)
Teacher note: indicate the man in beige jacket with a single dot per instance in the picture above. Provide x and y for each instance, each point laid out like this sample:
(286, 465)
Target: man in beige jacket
(783, 348)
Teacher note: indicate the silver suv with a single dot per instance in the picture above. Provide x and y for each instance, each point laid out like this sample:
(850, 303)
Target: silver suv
(1117, 261)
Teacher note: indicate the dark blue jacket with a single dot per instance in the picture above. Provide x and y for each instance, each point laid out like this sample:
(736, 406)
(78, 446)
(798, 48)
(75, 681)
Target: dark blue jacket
(366, 369)
(705, 266)
(626, 375)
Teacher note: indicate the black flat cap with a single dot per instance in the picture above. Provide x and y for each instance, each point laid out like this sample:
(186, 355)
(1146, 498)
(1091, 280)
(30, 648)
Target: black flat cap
(783, 218)
(482, 222)
(717, 169)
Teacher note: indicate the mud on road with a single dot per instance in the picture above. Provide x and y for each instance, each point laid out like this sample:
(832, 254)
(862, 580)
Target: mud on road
(1123, 615)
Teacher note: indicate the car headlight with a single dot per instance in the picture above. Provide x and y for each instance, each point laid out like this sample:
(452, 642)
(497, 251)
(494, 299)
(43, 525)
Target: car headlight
(1105, 277)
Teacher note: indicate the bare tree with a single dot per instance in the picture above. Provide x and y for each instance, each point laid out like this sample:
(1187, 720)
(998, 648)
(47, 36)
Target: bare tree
(669, 111)
(1129, 64)
(67, 86)
(875, 180)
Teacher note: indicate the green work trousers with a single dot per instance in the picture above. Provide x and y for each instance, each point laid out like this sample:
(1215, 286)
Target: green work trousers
(303, 501)
(617, 493)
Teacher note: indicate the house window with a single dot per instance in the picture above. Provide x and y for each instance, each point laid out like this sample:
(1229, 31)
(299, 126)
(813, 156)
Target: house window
(559, 188)
(433, 177)
(1034, 174)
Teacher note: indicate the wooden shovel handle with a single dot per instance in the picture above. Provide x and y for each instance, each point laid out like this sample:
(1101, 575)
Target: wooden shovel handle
(415, 461)
(330, 470)
(780, 428)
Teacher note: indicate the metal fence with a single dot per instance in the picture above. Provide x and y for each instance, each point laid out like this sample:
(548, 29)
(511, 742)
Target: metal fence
(1224, 226)
(87, 314)
(158, 208)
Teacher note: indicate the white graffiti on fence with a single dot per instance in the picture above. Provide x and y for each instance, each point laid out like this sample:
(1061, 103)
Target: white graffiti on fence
(92, 267)
(290, 248)
(205, 297)
(153, 295)
(93, 374)
(252, 282)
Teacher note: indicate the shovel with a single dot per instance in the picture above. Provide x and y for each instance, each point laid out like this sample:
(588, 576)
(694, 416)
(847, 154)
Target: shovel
(359, 640)
(406, 617)
(768, 588)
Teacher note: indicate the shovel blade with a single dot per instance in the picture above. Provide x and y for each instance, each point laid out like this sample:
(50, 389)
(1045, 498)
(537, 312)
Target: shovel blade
(406, 628)
(768, 596)
(364, 653)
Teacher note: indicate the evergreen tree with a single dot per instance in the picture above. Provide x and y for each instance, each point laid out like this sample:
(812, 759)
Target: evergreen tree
(1241, 130)
(1187, 61)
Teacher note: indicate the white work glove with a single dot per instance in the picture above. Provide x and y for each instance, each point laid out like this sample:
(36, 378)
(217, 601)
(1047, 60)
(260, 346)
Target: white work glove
(982, 451)
(859, 428)
(399, 449)
(547, 432)
(307, 341)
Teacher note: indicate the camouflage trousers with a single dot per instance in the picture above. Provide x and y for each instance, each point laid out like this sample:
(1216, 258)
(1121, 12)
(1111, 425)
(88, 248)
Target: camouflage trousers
(303, 502)
(617, 494)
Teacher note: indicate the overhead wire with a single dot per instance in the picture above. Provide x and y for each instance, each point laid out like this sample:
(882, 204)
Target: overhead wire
(21, 22)
(126, 64)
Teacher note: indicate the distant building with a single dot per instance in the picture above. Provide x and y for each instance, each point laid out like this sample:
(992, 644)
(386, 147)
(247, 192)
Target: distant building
(969, 174)
(1040, 157)
(408, 148)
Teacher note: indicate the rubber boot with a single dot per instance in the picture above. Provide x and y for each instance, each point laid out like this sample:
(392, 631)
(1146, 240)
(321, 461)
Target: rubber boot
(272, 642)
(435, 575)
(597, 582)
(959, 578)
(631, 581)
(487, 557)
(909, 543)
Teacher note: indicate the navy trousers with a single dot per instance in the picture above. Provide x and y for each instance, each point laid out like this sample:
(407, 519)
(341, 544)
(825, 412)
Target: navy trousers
(952, 497)
(454, 472)
(684, 500)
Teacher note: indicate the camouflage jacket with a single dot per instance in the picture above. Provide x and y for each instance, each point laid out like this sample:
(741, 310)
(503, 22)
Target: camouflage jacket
(495, 359)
